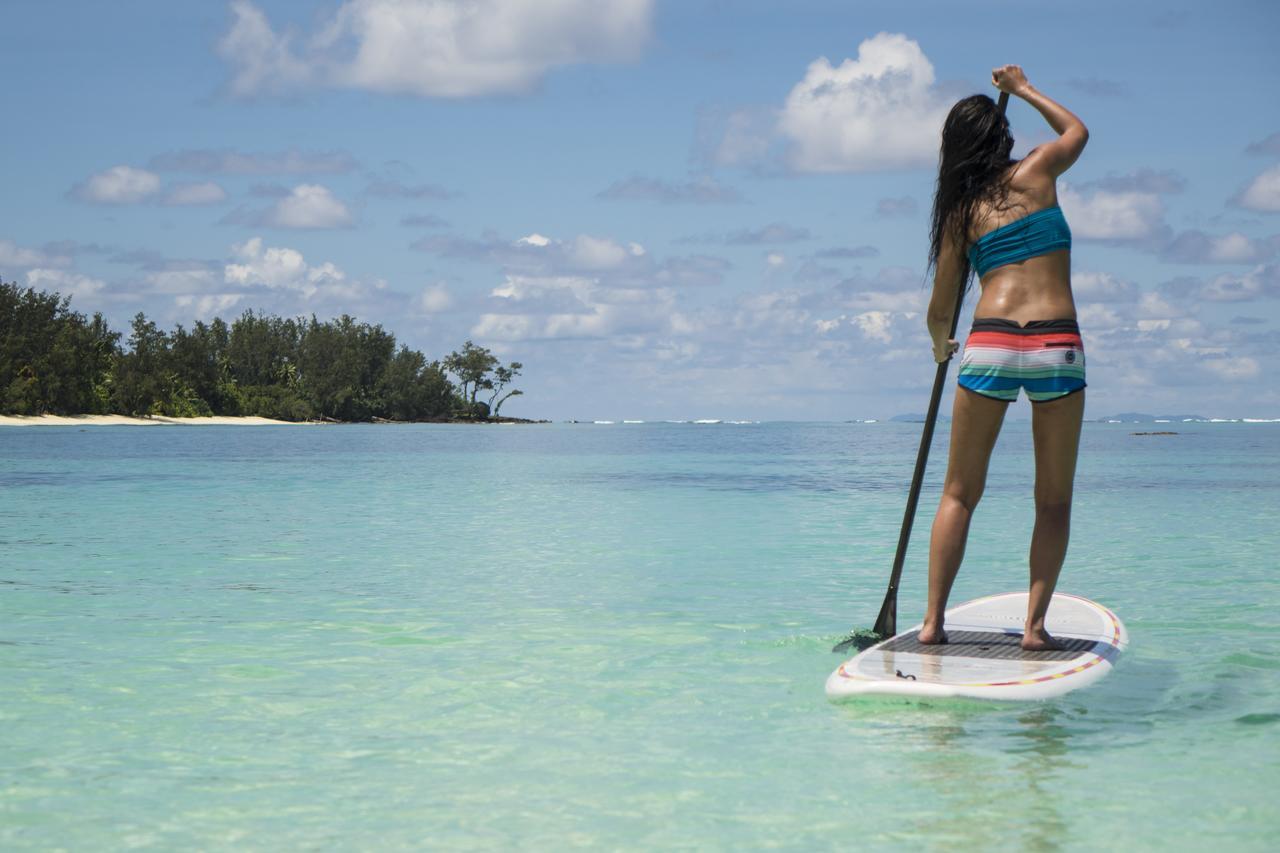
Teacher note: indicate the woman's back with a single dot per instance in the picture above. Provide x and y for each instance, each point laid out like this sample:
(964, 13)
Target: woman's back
(1035, 287)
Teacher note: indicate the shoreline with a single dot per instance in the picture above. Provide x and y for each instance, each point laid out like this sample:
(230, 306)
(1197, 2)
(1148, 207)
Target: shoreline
(215, 420)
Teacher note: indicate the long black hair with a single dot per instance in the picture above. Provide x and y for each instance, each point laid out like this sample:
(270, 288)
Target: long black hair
(971, 162)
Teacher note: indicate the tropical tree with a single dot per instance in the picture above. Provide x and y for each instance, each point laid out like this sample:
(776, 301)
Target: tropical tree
(471, 366)
(502, 377)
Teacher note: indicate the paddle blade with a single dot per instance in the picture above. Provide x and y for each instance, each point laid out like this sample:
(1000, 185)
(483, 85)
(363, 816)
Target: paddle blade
(859, 641)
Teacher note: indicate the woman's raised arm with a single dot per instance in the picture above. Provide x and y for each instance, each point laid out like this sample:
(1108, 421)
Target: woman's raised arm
(1056, 156)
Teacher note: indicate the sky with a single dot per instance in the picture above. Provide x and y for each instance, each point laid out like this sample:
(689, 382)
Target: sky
(661, 208)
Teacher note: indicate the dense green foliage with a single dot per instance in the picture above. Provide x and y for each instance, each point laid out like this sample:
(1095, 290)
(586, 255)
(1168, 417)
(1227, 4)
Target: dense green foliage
(56, 361)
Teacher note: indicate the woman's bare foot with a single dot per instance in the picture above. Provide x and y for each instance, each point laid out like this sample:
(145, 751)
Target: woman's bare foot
(932, 635)
(1039, 641)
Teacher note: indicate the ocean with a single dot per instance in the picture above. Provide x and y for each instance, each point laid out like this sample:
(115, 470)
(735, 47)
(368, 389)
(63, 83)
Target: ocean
(608, 636)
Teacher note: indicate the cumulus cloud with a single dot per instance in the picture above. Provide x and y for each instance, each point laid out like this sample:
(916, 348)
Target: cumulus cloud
(1197, 247)
(118, 185)
(227, 161)
(610, 262)
(13, 256)
(205, 192)
(263, 61)
(878, 112)
(575, 307)
(277, 268)
(65, 282)
(306, 206)
(702, 190)
(1261, 281)
(1263, 192)
(309, 206)
(1102, 287)
(432, 48)
(1112, 216)
(434, 298)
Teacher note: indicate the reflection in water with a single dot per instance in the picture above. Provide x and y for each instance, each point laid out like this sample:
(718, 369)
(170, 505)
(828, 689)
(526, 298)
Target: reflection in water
(1041, 757)
(976, 793)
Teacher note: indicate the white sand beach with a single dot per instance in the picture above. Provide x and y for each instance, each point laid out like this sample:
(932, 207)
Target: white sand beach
(117, 420)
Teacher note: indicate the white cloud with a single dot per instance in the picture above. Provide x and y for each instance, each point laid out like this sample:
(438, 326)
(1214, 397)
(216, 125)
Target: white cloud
(205, 192)
(1263, 280)
(264, 62)
(874, 325)
(1197, 247)
(877, 112)
(1112, 216)
(66, 283)
(434, 48)
(1102, 287)
(118, 185)
(775, 259)
(278, 268)
(1263, 192)
(13, 255)
(573, 307)
(434, 299)
(1232, 369)
(1233, 247)
(208, 305)
(1094, 316)
(308, 206)
(596, 253)
(186, 280)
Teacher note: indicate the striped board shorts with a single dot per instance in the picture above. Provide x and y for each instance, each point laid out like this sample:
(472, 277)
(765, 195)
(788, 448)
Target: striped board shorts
(1045, 356)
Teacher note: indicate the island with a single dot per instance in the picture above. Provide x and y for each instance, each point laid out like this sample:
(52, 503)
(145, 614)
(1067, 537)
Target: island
(57, 362)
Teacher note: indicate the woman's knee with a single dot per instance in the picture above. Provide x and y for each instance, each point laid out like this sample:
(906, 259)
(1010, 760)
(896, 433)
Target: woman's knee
(1053, 508)
(966, 495)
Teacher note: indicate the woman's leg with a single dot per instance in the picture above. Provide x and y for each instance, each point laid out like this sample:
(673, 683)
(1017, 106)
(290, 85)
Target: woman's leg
(975, 425)
(1055, 425)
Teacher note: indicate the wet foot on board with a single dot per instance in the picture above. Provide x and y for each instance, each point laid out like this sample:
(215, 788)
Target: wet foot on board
(1040, 641)
(931, 636)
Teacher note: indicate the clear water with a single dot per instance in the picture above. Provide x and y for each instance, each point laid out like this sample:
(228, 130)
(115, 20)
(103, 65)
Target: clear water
(606, 636)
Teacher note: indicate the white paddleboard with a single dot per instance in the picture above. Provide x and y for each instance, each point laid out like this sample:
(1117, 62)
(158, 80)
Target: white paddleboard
(984, 658)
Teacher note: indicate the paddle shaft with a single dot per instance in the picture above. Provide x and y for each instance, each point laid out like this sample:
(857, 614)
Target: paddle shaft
(887, 622)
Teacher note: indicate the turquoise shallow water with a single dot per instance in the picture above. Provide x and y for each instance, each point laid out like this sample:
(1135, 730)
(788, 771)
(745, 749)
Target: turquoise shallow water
(606, 636)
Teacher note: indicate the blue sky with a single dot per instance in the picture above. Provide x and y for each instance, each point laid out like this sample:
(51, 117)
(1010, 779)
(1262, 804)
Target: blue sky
(663, 209)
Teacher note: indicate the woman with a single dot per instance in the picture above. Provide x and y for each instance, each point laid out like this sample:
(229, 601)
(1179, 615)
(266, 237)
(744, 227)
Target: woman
(1001, 218)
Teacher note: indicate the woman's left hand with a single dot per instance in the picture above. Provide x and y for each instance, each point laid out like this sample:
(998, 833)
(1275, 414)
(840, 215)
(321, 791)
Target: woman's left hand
(943, 351)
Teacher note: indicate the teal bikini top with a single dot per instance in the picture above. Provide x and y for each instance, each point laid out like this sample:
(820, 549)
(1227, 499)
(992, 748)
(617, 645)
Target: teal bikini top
(1034, 234)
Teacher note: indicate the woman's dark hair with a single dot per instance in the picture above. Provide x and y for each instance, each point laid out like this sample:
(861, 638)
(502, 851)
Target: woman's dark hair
(974, 155)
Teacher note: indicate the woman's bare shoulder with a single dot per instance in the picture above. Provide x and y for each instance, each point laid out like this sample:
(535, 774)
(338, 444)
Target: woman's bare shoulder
(1032, 183)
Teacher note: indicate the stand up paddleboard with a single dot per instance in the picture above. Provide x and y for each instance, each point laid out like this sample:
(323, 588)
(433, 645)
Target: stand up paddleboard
(984, 658)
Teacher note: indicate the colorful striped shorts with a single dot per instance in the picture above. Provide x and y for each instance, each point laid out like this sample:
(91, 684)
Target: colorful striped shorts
(1045, 356)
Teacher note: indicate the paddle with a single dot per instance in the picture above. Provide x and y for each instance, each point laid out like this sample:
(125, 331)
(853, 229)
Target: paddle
(887, 622)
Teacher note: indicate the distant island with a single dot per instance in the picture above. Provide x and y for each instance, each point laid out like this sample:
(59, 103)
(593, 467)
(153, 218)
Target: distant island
(55, 361)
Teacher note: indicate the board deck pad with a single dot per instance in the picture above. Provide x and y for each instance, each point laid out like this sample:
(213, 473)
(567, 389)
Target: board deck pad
(985, 644)
(984, 659)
